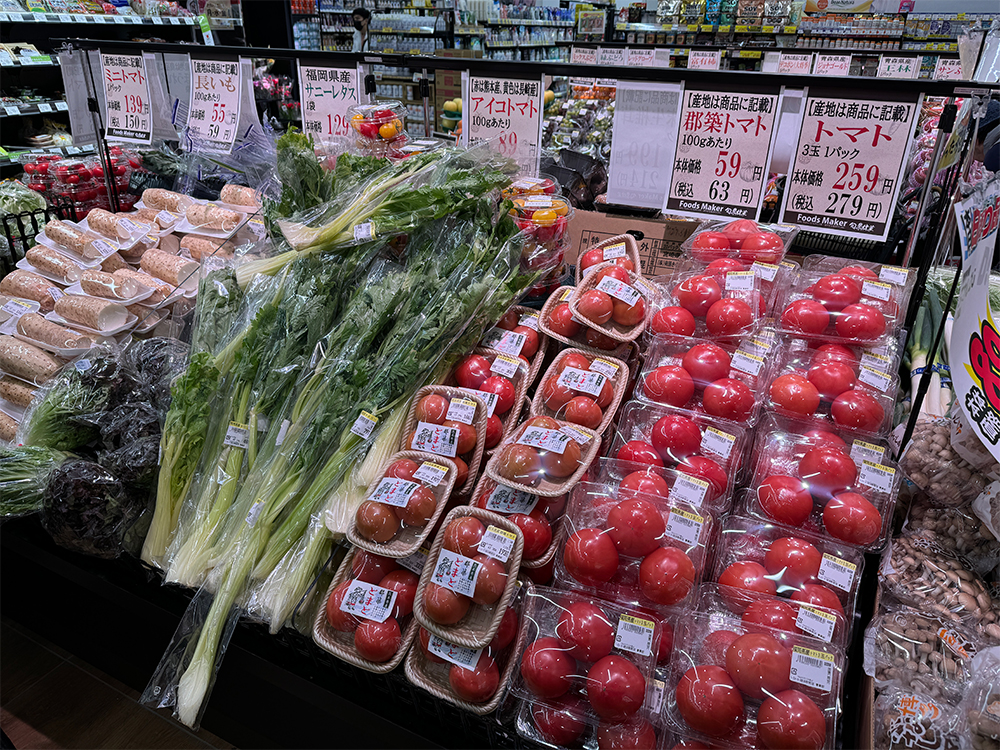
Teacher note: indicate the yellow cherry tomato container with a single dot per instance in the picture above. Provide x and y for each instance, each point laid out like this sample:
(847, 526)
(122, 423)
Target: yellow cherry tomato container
(379, 128)
(542, 185)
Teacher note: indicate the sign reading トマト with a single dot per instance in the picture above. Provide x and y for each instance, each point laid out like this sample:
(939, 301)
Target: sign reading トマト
(720, 164)
(214, 111)
(126, 98)
(509, 110)
(848, 165)
(327, 93)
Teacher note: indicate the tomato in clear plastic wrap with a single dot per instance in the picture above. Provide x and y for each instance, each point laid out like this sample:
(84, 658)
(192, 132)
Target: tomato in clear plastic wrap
(706, 363)
(339, 620)
(827, 471)
(462, 535)
(707, 469)
(584, 411)
(636, 527)
(860, 321)
(616, 688)
(505, 633)
(675, 437)
(743, 579)
(560, 465)
(475, 685)
(596, 306)
(666, 576)
(467, 435)
(629, 735)
(536, 530)
(561, 724)
(729, 317)
(571, 359)
(770, 613)
(725, 265)
(791, 720)
(861, 271)
(640, 452)
(707, 245)
(690, 745)
(490, 582)
(763, 247)
(807, 316)
(820, 595)
(561, 321)
(404, 468)
(494, 431)
(504, 391)
(599, 340)
(838, 352)
(443, 605)
(792, 562)
(709, 701)
(378, 641)
(729, 398)
(586, 631)
(759, 665)
(851, 518)
(824, 437)
(554, 395)
(371, 568)
(669, 385)
(541, 576)
(521, 464)
(665, 644)
(835, 292)
(473, 371)
(418, 509)
(376, 521)
(714, 647)
(425, 639)
(785, 499)
(590, 556)
(404, 583)
(831, 378)
(432, 409)
(530, 346)
(643, 483)
(547, 423)
(547, 668)
(857, 410)
(794, 394)
(698, 293)
(672, 320)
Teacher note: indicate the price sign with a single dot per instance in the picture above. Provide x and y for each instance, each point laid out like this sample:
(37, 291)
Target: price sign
(611, 56)
(126, 98)
(214, 110)
(641, 58)
(832, 65)
(898, 67)
(509, 111)
(583, 56)
(720, 164)
(948, 68)
(848, 165)
(704, 59)
(327, 93)
(795, 64)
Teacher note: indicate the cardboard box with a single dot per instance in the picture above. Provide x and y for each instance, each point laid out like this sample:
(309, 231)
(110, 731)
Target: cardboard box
(659, 239)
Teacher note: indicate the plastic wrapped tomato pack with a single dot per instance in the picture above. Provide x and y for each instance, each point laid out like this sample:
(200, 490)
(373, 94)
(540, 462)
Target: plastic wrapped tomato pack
(558, 322)
(633, 543)
(904, 278)
(544, 184)
(614, 301)
(620, 250)
(380, 128)
(582, 388)
(883, 355)
(523, 320)
(539, 518)
(752, 686)
(741, 239)
(545, 221)
(717, 304)
(501, 381)
(703, 484)
(771, 277)
(562, 726)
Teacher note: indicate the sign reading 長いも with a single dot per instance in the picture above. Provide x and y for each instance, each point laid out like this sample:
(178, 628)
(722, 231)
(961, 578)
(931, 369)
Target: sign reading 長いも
(720, 164)
(848, 165)
(327, 93)
(509, 110)
(214, 109)
(126, 98)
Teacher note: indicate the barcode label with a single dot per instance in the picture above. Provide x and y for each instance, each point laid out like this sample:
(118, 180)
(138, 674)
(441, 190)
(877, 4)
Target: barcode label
(756, 346)
(505, 365)
(837, 572)
(462, 410)
(55, 293)
(363, 232)
(507, 500)
(879, 476)
(578, 435)
(566, 294)
(876, 289)
(817, 624)
(544, 439)
(508, 342)
(862, 451)
(166, 218)
(740, 281)
(584, 381)
(690, 489)
(497, 543)
(718, 442)
(431, 474)
(634, 634)
(812, 668)
(368, 601)
(616, 250)
(466, 658)
(415, 562)
(435, 438)
(282, 431)
(684, 527)
(875, 378)
(489, 398)
(364, 425)
(394, 491)
(765, 271)
(102, 247)
(237, 435)
(608, 369)
(456, 572)
(529, 320)
(893, 275)
(254, 513)
(619, 290)
(751, 364)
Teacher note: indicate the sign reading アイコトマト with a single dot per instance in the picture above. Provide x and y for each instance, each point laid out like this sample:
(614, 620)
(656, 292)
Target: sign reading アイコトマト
(214, 111)
(126, 98)
(327, 94)
(509, 111)
(848, 165)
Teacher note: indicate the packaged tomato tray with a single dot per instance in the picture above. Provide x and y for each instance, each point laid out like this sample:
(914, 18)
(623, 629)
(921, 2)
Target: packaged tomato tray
(633, 543)
(537, 517)
(741, 239)
(702, 484)
(558, 322)
(523, 186)
(614, 301)
(621, 250)
(719, 304)
(563, 726)
(905, 278)
(883, 356)
(545, 221)
(770, 278)
(501, 380)
(742, 685)
(755, 557)
(582, 388)
(517, 334)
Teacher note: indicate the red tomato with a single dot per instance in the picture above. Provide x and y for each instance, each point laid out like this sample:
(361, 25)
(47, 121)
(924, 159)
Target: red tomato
(636, 527)
(764, 247)
(819, 595)
(371, 568)
(666, 644)
(707, 245)
(826, 352)
(669, 385)
(707, 469)
(561, 724)
(547, 423)
(771, 613)
(824, 437)
(866, 273)
(521, 464)
(791, 720)
(807, 316)
(425, 639)
(745, 577)
(666, 576)
(404, 468)
(541, 576)
(725, 265)
(673, 320)
(835, 292)
(339, 620)
(792, 562)
(630, 735)
(584, 411)
(639, 452)
(419, 508)
(432, 409)
(404, 583)
(530, 346)
(596, 306)
(473, 371)
(494, 431)
(462, 535)
(590, 557)
(592, 258)
(504, 391)
(491, 580)
(737, 232)
(728, 317)
(555, 396)
(860, 321)
(598, 340)
(714, 647)
(615, 688)
(443, 605)
(850, 518)
(625, 314)
(463, 471)
(730, 399)
(759, 665)
(675, 437)
(509, 321)
(467, 435)
(506, 632)
(586, 631)
(378, 641)
(475, 685)
(537, 532)
(827, 471)
(644, 483)
(857, 410)
(831, 378)
(698, 293)
(706, 363)
(614, 272)
(560, 465)
(690, 745)
(376, 522)
(571, 358)
(561, 321)
(785, 499)
(793, 393)
(709, 701)
(547, 668)
(606, 396)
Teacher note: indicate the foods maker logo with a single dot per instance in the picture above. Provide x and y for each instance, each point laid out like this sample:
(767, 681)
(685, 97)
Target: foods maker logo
(983, 400)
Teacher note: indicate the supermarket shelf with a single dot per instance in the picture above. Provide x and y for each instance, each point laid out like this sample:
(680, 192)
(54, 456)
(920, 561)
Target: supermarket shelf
(343, 11)
(11, 157)
(32, 108)
(331, 30)
(526, 22)
(96, 20)
(705, 28)
(35, 61)
(872, 34)
(518, 45)
(415, 31)
(468, 31)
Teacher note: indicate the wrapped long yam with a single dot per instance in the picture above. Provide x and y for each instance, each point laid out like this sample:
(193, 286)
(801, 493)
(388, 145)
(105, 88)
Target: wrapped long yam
(28, 285)
(96, 314)
(37, 328)
(155, 217)
(210, 216)
(27, 362)
(113, 262)
(199, 247)
(55, 264)
(8, 428)
(168, 200)
(238, 195)
(171, 268)
(76, 241)
(108, 286)
(161, 289)
(110, 225)
(16, 392)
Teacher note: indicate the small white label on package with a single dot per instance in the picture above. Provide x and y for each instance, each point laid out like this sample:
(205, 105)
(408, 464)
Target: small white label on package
(746, 362)
(16, 308)
(578, 435)
(684, 527)
(462, 410)
(364, 425)
(166, 218)
(758, 346)
(616, 250)
(876, 289)
(537, 201)
(876, 361)
(619, 290)
(368, 601)
(608, 369)
(862, 451)
(739, 281)
(257, 227)
(764, 271)
(466, 658)
(415, 562)
(430, 473)
(529, 320)
(879, 476)
(128, 226)
(718, 442)
(254, 512)
(394, 491)
(585, 381)
(566, 294)
(635, 634)
(525, 182)
(497, 543)
(645, 288)
(544, 439)
(490, 399)
(435, 438)
(812, 668)
(507, 500)
(82, 365)
(656, 700)
(508, 342)
(102, 247)
(816, 623)
(506, 365)
(690, 489)
(237, 435)
(456, 572)
(874, 378)
(363, 232)
(55, 293)
(894, 275)
(837, 572)
(282, 431)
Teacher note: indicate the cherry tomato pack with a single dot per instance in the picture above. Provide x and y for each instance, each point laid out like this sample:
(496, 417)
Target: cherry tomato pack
(582, 388)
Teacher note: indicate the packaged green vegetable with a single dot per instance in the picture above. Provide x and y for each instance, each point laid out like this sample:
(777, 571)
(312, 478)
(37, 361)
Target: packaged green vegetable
(24, 472)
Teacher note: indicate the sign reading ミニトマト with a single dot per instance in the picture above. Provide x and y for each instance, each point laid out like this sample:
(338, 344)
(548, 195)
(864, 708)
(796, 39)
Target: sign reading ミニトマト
(720, 164)
(848, 165)
(510, 111)
(126, 98)
(214, 110)
(327, 93)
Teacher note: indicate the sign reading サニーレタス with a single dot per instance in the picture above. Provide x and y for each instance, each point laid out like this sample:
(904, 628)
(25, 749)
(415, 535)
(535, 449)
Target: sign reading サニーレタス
(509, 110)
(214, 111)
(720, 163)
(327, 93)
(974, 351)
(848, 165)
(126, 98)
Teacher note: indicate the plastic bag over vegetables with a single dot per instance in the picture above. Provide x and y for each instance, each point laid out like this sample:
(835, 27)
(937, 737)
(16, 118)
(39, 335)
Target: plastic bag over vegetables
(24, 471)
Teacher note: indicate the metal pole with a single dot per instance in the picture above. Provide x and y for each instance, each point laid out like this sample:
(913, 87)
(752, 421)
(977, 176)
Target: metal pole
(425, 93)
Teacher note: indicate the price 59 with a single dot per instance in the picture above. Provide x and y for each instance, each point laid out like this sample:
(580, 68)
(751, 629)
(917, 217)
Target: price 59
(854, 176)
(728, 162)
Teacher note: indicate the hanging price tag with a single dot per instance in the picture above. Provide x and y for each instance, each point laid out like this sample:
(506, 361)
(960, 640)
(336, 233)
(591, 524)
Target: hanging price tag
(456, 572)
(364, 425)
(684, 527)
(326, 95)
(394, 491)
(718, 442)
(506, 365)
(237, 435)
(497, 543)
(584, 381)
(690, 489)
(875, 475)
(816, 623)
(508, 342)
(544, 439)
(435, 438)
(466, 658)
(126, 98)
(635, 634)
(214, 106)
(368, 601)
(619, 290)
(812, 668)
(431, 474)
(462, 410)
(837, 572)
(507, 500)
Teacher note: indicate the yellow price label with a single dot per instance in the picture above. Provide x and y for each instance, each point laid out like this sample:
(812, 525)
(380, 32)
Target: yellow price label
(638, 621)
(742, 29)
(749, 53)
(502, 532)
(813, 653)
(725, 29)
(707, 27)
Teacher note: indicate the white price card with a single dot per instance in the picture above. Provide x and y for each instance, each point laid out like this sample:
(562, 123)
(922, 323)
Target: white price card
(746, 362)
(326, 95)
(812, 668)
(877, 289)
(878, 476)
(615, 56)
(430, 473)
(584, 381)
(619, 290)
(948, 68)
(62, 107)
(816, 623)
(837, 572)
(466, 658)
(44, 107)
(508, 342)
(506, 365)
(704, 59)
(684, 527)
(718, 442)
(435, 438)
(214, 108)
(237, 435)
(368, 601)
(364, 425)
(394, 491)
(875, 378)
(507, 500)
(544, 439)
(898, 67)
(606, 368)
(415, 562)
(456, 572)
(11, 111)
(126, 98)
(489, 397)
(832, 65)
(800, 65)
(690, 489)
(635, 634)
(641, 58)
(363, 232)
(497, 543)
(862, 451)
(461, 410)
(509, 113)
(894, 275)
(720, 165)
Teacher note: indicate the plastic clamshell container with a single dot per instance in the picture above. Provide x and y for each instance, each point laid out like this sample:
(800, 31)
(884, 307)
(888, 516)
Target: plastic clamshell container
(603, 382)
(706, 294)
(81, 261)
(905, 278)
(544, 184)
(621, 247)
(742, 239)
(583, 334)
(367, 120)
(883, 356)
(505, 366)
(771, 277)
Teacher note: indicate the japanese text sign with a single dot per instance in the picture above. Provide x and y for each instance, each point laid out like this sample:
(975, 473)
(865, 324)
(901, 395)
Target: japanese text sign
(795, 64)
(510, 111)
(326, 95)
(583, 56)
(848, 165)
(704, 59)
(611, 56)
(720, 164)
(898, 67)
(641, 58)
(948, 68)
(126, 98)
(832, 65)
(214, 111)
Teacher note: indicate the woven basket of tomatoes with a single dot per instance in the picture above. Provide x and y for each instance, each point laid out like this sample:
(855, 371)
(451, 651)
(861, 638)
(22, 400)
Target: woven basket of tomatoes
(582, 388)
(558, 322)
(622, 250)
